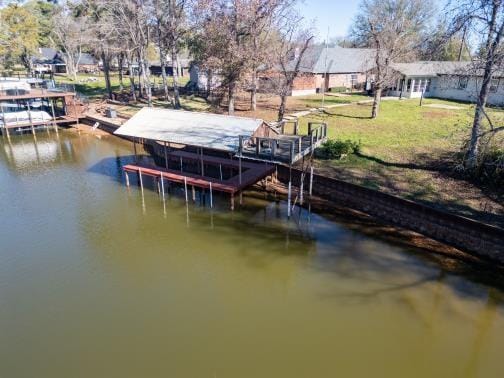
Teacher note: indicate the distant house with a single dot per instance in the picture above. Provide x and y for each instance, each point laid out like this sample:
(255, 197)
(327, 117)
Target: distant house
(446, 80)
(50, 61)
(182, 68)
(321, 70)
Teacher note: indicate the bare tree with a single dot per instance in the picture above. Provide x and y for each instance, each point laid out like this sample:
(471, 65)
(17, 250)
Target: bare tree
(71, 35)
(481, 19)
(132, 19)
(394, 28)
(172, 28)
(290, 48)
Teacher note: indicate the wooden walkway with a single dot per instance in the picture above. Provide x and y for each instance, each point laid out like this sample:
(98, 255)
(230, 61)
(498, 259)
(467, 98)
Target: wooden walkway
(251, 174)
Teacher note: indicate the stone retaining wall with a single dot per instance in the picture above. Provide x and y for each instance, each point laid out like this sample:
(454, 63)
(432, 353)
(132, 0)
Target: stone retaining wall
(465, 234)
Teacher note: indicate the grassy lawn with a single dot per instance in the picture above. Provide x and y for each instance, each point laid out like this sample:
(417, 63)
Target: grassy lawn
(404, 152)
(96, 89)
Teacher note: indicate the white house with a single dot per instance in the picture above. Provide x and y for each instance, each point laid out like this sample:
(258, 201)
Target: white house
(446, 80)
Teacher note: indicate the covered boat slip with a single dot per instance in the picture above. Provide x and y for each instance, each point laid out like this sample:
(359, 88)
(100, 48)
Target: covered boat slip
(195, 149)
(33, 108)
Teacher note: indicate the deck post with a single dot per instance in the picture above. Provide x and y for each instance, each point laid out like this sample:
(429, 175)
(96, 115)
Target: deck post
(301, 190)
(53, 113)
(30, 117)
(141, 181)
(232, 201)
(165, 156)
(220, 171)
(127, 178)
(211, 197)
(162, 186)
(289, 200)
(311, 181)
(309, 128)
(181, 165)
(4, 122)
(185, 189)
(193, 193)
(241, 198)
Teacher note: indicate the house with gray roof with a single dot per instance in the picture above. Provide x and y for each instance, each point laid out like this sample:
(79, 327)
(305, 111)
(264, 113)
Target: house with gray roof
(447, 80)
(321, 69)
(341, 68)
(49, 61)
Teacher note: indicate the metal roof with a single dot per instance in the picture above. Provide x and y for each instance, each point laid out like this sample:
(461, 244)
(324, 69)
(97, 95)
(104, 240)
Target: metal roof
(434, 68)
(336, 60)
(214, 131)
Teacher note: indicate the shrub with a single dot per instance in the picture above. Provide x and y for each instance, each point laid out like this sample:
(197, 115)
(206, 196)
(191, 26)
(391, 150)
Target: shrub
(338, 89)
(335, 148)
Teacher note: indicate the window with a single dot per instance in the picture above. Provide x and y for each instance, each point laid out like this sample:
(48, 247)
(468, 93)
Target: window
(494, 85)
(462, 84)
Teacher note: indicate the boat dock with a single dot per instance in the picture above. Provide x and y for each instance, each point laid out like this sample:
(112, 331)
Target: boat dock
(214, 174)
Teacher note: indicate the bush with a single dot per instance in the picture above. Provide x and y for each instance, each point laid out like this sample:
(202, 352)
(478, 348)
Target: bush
(335, 148)
(338, 89)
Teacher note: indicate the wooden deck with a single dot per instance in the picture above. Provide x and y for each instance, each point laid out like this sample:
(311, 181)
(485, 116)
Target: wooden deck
(35, 93)
(251, 173)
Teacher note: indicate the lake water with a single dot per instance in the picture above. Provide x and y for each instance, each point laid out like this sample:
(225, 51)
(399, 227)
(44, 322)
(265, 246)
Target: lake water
(96, 281)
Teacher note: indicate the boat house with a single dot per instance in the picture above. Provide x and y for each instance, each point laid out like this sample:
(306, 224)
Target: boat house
(211, 151)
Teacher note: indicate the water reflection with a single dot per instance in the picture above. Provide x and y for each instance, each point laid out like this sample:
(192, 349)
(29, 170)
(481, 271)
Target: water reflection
(109, 282)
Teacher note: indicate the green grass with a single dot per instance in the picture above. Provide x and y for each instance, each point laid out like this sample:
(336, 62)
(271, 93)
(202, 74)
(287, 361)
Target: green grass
(97, 89)
(401, 149)
(316, 100)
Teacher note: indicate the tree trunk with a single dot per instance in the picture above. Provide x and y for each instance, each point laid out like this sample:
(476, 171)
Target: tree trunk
(492, 46)
(146, 80)
(231, 93)
(163, 75)
(132, 80)
(176, 93)
(121, 64)
(376, 102)
(281, 109)
(106, 72)
(253, 95)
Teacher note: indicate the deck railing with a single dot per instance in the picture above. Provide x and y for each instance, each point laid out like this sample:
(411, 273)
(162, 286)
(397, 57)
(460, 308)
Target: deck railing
(282, 148)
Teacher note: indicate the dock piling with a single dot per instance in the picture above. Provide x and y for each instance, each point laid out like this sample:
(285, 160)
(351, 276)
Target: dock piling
(127, 178)
(162, 186)
(185, 189)
(211, 197)
(141, 181)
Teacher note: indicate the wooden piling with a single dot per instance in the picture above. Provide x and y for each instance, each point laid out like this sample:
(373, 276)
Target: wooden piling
(141, 181)
(289, 200)
(53, 115)
(30, 117)
(310, 189)
(162, 186)
(193, 193)
(185, 189)
(211, 196)
(127, 178)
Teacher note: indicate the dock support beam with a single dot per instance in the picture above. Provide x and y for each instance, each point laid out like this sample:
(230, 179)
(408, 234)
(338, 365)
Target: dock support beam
(30, 117)
(211, 197)
(126, 178)
(162, 186)
(289, 200)
(185, 189)
(53, 115)
(141, 181)
(310, 191)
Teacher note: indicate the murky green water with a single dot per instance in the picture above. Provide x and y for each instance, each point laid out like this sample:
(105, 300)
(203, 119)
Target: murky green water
(95, 282)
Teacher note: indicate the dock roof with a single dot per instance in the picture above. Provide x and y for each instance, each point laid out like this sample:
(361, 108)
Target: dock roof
(213, 131)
